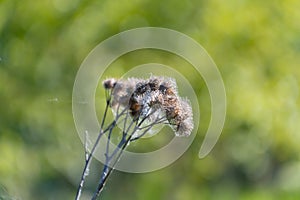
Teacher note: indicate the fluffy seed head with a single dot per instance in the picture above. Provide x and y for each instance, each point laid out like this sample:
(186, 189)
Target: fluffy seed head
(150, 98)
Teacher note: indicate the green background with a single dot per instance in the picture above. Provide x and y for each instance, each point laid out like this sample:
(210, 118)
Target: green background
(255, 44)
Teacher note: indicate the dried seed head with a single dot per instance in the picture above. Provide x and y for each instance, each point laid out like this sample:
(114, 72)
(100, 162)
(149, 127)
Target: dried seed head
(122, 91)
(154, 84)
(184, 120)
(152, 98)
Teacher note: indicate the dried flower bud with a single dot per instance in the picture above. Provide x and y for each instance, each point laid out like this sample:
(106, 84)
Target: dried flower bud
(109, 83)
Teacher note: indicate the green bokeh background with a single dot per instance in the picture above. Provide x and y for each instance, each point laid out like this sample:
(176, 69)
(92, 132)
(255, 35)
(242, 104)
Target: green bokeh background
(255, 44)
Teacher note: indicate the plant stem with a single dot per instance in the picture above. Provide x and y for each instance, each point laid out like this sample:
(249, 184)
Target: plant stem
(89, 158)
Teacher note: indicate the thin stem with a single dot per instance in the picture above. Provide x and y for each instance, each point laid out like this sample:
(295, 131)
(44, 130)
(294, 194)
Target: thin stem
(148, 128)
(88, 158)
(121, 146)
(106, 175)
(86, 153)
(108, 141)
(158, 121)
(107, 157)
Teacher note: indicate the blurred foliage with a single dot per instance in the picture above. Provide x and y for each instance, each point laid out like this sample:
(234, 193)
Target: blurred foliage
(255, 44)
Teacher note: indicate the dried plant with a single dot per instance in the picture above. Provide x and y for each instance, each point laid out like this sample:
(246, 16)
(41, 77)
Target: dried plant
(139, 104)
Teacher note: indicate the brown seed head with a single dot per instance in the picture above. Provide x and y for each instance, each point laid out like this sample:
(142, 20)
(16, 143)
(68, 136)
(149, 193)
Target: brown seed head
(157, 95)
